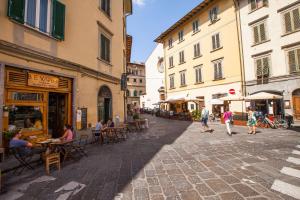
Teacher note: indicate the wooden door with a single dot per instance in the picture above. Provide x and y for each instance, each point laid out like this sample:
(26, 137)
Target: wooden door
(296, 106)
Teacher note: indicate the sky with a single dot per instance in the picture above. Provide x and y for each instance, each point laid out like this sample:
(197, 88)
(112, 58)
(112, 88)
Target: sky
(149, 19)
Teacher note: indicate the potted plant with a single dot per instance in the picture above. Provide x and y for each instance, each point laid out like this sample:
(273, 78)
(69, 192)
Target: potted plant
(196, 115)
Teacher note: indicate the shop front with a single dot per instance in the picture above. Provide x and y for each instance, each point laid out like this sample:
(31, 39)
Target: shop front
(37, 103)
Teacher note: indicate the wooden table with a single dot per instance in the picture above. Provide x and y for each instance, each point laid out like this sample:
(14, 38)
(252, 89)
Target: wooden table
(63, 147)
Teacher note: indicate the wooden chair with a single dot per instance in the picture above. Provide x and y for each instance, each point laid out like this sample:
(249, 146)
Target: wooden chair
(80, 144)
(52, 159)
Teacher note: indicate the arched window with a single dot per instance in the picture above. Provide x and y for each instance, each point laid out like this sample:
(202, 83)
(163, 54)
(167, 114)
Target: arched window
(135, 93)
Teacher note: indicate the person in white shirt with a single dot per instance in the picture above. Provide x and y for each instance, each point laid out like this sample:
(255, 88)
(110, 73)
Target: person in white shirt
(99, 125)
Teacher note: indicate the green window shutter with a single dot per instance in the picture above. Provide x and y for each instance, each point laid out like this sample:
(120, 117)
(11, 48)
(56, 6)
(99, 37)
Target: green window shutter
(58, 20)
(16, 10)
(259, 68)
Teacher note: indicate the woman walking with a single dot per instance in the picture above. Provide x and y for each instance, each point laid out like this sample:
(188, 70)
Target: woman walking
(251, 123)
(228, 119)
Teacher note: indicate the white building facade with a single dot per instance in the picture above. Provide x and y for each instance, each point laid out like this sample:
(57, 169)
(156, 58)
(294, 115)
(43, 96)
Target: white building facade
(270, 32)
(154, 67)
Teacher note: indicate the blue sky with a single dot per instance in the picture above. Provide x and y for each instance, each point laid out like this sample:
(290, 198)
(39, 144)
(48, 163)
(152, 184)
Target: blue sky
(150, 18)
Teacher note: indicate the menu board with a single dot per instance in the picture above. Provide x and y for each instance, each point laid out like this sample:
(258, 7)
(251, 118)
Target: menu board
(83, 118)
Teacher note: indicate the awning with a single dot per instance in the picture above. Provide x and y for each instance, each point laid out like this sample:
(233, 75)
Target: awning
(182, 97)
(232, 98)
(263, 96)
(216, 102)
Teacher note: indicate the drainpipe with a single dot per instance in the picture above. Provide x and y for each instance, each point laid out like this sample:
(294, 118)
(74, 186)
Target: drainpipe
(240, 40)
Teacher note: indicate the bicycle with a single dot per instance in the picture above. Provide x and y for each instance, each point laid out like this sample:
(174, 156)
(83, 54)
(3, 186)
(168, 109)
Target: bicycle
(265, 122)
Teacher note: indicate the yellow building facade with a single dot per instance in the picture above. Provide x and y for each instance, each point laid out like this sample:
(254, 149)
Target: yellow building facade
(61, 63)
(202, 57)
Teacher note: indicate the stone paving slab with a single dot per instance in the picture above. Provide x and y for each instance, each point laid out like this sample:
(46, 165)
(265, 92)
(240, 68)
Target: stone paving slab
(173, 160)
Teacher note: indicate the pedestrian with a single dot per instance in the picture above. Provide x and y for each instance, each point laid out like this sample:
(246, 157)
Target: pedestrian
(204, 119)
(228, 120)
(251, 123)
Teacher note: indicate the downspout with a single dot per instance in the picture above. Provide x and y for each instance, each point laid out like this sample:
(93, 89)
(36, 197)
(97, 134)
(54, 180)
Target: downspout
(240, 41)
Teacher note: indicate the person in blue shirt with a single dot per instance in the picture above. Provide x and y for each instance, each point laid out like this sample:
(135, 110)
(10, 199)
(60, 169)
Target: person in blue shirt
(24, 146)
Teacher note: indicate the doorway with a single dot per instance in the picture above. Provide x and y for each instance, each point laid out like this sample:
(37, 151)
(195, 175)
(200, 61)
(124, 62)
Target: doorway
(104, 104)
(296, 104)
(57, 113)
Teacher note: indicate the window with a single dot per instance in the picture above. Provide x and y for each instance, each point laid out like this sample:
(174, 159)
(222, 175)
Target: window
(105, 6)
(255, 4)
(134, 80)
(291, 20)
(195, 26)
(181, 57)
(192, 107)
(262, 66)
(171, 77)
(105, 48)
(197, 50)
(37, 14)
(180, 36)
(213, 14)
(294, 60)
(216, 43)
(141, 92)
(198, 74)
(218, 71)
(135, 93)
(141, 80)
(259, 33)
(171, 64)
(28, 118)
(182, 78)
(170, 42)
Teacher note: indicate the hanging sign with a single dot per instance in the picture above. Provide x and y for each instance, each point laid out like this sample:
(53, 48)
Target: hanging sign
(42, 80)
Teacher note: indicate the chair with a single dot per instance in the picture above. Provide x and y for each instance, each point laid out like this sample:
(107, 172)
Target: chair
(52, 159)
(23, 158)
(2, 154)
(97, 136)
(80, 144)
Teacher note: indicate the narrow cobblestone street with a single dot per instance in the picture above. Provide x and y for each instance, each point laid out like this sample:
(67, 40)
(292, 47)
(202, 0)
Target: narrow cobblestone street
(173, 160)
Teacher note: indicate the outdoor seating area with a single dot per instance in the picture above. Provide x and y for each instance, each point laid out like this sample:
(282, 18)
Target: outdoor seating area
(57, 152)
(184, 116)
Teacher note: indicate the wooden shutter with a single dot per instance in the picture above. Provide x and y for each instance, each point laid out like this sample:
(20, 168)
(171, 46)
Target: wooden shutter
(220, 70)
(253, 4)
(218, 43)
(16, 78)
(266, 66)
(196, 72)
(258, 67)
(288, 22)
(262, 30)
(255, 34)
(298, 58)
(216, 71)
(107, 49)
(214, 42)
(16, 10)
(292, 61)
(58, 20)
(182, 56)
(296, 18)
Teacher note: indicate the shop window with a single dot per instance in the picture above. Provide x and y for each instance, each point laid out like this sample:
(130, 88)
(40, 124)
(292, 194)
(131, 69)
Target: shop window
(27, 118)
(25, 96)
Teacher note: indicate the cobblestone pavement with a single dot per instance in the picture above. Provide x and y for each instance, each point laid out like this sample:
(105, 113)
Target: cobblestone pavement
(173, 160)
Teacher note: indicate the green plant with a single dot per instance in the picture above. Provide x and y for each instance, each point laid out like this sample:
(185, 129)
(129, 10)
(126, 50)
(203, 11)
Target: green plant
(136, 116)
(9, 134)
(196, 115)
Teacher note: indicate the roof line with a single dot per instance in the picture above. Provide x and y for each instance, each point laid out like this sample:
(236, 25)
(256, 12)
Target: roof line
(185, 18)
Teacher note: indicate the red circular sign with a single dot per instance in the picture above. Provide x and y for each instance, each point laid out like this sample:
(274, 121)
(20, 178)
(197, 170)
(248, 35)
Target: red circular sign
(231, 91)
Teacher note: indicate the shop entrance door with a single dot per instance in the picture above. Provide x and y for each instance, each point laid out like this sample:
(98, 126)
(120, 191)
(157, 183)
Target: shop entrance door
(57, 115)
(296, 104)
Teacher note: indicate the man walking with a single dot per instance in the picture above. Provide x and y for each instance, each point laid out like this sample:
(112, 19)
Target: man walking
(204, 119)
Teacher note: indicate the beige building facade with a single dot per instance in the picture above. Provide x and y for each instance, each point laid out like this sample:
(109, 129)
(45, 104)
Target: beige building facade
(136, 84)
(202, 57)
(61, 63)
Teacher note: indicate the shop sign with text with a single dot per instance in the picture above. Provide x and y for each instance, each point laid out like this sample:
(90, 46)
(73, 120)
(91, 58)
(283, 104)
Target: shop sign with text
(42, 80)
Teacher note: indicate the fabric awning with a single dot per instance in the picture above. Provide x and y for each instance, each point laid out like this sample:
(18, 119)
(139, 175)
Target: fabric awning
(263, 96)
(216, 102)
(233, 98)
(182, 97)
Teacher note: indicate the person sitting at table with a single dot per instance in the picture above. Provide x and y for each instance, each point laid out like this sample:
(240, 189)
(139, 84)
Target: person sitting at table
(99, 125)
(68, 133)
(24, 147)
(110, 123)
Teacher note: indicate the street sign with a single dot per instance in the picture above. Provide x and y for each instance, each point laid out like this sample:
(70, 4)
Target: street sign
(231, 91)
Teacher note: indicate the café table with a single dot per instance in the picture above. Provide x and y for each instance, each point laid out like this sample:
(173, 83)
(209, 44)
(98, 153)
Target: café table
(63, 147)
